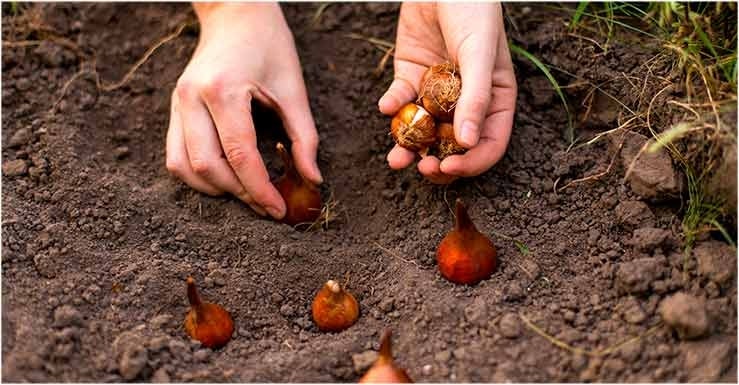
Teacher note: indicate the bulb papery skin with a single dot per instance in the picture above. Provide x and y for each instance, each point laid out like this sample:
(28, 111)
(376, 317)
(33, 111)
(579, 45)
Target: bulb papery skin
(207, 322)
(413, 128)
(334, 309)
(447, 145)
(384, 370)
(441, 86)
(466, 256)
(302, 198)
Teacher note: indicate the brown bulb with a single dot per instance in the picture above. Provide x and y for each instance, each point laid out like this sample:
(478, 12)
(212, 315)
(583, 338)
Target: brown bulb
(207, 322)
(446, 144)
(465, 255)
(384, 369)
(302, 198)
(413, 128)
(441, 86)
(334, 309)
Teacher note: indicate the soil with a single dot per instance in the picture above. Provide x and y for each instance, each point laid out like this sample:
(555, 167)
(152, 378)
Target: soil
(98, 239)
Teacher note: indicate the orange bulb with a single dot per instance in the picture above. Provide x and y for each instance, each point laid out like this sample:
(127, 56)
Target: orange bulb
(465, 255)
(334, 309)
(413, 128)
(447, 144)
(384, 370)
(302, 198)
(441, 86)
(207, 322)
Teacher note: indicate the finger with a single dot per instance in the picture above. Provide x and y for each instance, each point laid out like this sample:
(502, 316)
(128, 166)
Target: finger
(429, 168)
(205, 153)
(177, 158)
(301, 130)
(399, 158)
(476, 58)
(488, 151)
(231, 112)
(403, 89)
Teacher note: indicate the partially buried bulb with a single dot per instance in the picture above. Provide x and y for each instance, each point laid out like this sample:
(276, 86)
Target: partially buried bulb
(302, 198)
(334, 309)
(384, 370)
(413, 128)
(207, 322)
(465, 255)
(447, 145)
(441, 86)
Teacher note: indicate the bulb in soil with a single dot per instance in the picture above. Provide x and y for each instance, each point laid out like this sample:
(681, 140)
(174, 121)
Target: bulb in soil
(441, 86)
(207, 322)
(465, 255)
(447, 145)
(334, 309)
(413, 128)
(302, 198)
(384, 369)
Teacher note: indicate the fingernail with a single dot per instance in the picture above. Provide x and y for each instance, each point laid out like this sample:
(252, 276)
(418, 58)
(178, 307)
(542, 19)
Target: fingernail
(469, 134)
(274, 212)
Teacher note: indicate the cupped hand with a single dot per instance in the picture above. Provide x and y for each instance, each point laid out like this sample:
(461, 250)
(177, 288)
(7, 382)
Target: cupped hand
(245, 52)
(473, 37)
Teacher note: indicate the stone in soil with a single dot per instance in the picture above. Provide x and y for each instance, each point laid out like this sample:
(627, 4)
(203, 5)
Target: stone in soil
(651, 174)
(20, 138)
(635, 276)
(67, 315)
(706, 360)
(362, 361)
(15, 167)
(634, 214)
(510, 325)
(648, 238)
(132, 362)
(686, 314)
(632, 311)
(716, 261)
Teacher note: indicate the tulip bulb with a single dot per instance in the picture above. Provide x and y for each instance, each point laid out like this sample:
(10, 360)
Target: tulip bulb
(384, 370)
(441, 86)
(465, 255)
(413, 128)
(334, 309)
(446, 144)
(302, 198)
(207, 322)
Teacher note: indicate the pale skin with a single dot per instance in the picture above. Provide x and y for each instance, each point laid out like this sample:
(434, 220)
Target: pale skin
(246, 52)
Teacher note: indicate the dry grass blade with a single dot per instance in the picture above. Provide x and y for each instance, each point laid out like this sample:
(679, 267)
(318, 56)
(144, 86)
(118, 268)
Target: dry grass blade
(143, 59)
(600, 174)
(599, 353)
(381, 44)
(327, 215)
(393, 254)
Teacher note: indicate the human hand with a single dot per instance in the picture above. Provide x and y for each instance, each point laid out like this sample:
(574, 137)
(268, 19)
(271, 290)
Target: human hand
(245, 52)
(473, 36)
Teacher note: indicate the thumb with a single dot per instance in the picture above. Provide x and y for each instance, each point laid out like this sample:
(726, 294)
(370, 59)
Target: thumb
(476, 56)
(301, 130)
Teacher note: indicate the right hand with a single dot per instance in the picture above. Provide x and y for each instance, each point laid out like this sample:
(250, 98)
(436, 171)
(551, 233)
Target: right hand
(245, 52)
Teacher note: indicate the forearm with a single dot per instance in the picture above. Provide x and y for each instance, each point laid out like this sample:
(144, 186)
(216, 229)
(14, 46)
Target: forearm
(224, 12)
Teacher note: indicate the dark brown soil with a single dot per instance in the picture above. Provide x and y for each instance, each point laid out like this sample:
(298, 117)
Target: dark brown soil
(97, 238)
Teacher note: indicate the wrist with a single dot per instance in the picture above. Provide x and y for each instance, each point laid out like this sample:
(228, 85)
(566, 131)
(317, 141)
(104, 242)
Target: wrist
(215, 13)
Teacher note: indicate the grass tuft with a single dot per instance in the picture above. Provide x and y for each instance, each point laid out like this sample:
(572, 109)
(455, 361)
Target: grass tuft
(570, 132)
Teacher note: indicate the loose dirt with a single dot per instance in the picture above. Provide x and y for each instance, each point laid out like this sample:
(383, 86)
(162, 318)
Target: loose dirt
(97, 238)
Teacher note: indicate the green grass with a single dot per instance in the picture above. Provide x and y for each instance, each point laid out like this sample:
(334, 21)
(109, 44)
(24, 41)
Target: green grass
(570, 132)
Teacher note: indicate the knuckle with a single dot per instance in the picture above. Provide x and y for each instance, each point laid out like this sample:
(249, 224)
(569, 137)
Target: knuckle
(186, 89)
(174, 166)
(237, 156)
(201, 167)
